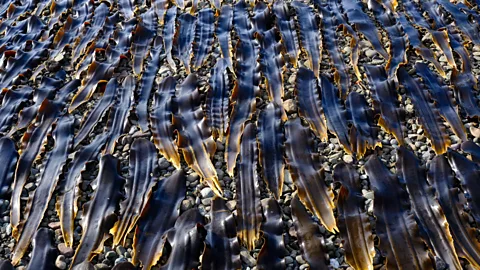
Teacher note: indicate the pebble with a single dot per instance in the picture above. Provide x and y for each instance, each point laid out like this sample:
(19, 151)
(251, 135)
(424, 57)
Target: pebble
(64, 250)
(54, 225)
(111, 255)
(300, 259)
(163, 164)
(409, 108)
(475, 132)
(290, 106)
(101, 266)
(370, 53)
(120, 260)
(247, 258)
(334, 263)
(186, 204)
(348, 158)
(291, 79)
(206, 192)
(60, 262)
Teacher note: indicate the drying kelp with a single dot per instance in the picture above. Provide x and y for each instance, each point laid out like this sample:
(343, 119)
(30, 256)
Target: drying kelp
(6, 265)
(465, 19)
(126, 8)
(185, 36)
(310, 38)
(400, 241)
(364, 132)
(218, 99)
(352, 219)
(309, 104)
(441, 176)
(309, 237)
(428, 115)
(12, 102)
(186, 240)
(99, 214)
(160, 7)
(473, 149)
(224, 26)
(270, 144)
(67, 205)
(262, 18)
(117, 119)
(147, 83)
(249, 209)
(157, 218)
(8, 161)
(468, 173)
(222, 250)
(203, 37)
(142, 37)
(194, 137)
(286, 26)
(38, 199)
(426, 207)
(335, 113)
(44, 252)
(143, 160)
(161, 121)
(385, 101)
(307, 174)
(273, 251)
(464, 83)
(168, 35)
(441, 95)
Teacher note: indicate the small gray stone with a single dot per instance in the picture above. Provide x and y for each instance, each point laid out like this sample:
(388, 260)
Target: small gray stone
(300, 259)
(290, 106)
(206, 192)
(111, 255)
(207, 201)
(54, 225)
(101, 266)
(247, 258)
(120, 250)
(60, 262)
(186, 204)
(64, 250)
(334, 263)
(370, 53)
(288, 260)
(231, 205)
(120, 260)
(163, 164)
(348, 158)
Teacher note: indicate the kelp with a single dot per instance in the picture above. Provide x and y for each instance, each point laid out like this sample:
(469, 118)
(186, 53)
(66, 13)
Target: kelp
(440, 175)
(44, 251)
(147, 83)
(465, 19)
(39, 198)
(8, 162)
(352, 219)
(270, 144)
(463, 85)
(396, 228)
(307, 175)
(12, 102)
(157, 218)
(168, 35)
(473, 150)
(161, 121)
(364, 132)
(385, 101)
(67, 200)
(310, 240)
(335, 113)
(6, 265)
(123, 35)
(443, 100)
(308, 99)
(100, 213)
(186, 240)
(185, 37)
(273, 252)
(222, 250)
(249, 208)
(286, 27)
(427, 210)
(427, 113)
(160, 7)
(143, 160)
(117, 119)
(142, 37)
(218, 99)
(126, 8)
(203, 36)
(222, 32)
(194, 137)
(310, 38)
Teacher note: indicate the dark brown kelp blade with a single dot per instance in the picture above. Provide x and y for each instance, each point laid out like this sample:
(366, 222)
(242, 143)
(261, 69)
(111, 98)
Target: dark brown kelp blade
(426, 207)
(12, 101)
(99, 214)
(157, 218)
(8, 162)
(161, 121)
(44, 252)
(218, 99)
(193, 134)
(222, 250)
(143, 160)
(185, 36)
(203, 36)
(353, 220)
(309, 104)
(464, 83)
(39, 198)
(465, 19)
(224, 26)
(310, 38)
(473, 149)
(270, 143)
(385, 101)
(363, 133)
(249, 208)
(168, 35)
(307, 174)
(286, 26)
(142, 37)
(441, 176)
(427, 113)
(186, 240)
(6, 265)
(67, 206)
(273, 252)
(400, 241)
(309, 237)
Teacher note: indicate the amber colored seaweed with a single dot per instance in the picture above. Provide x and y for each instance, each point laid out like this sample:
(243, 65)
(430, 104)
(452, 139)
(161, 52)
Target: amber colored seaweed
(44, 251)
(222, 32)
(100, 213)
(203, 37)
(39, 198)
(12, 102)
(427, 210)
(218, 99)
(286, 26)
(307, 174)
(464, 236)
(273, 252)
(473, 150)
(185, 37)
(8, 162)
(168, 35)
(161, 121)
(270, 144)
(353, 220)
(142, 37)
(143, 160)
(463, 85)
(222, 250)
(157, 218)
(310, 240)
(396, 228)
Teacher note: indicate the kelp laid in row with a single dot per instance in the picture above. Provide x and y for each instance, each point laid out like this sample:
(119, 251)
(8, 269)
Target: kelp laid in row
(203, 37)
(44, 252)
(286, 27)
(224, 26)
(13, 100)
(185, 37)
(8, 162)
(473, 150)
(464, 84)
(168, 35)
(218, 99)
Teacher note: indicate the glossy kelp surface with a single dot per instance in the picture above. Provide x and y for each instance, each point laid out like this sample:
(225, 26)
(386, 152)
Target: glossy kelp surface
(218, 99)
(44, 252)
(203, 37)
(224, 26)
(473, 150)
(463, 85)
(286, 27)
(12, 102)
(168, 34)
(8, 162)
(185, 37)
